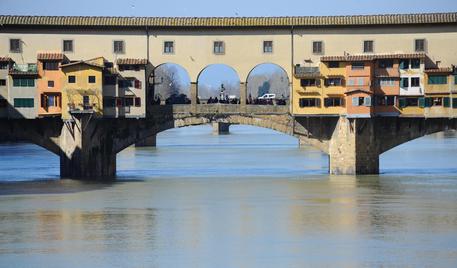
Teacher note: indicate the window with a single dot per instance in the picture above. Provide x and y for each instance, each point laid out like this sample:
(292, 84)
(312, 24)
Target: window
(308, 82)
(119, 102)
(128, 102)
(309, 102)
(437, 101)
(168, 47)
(15, 45)
(455, 79)
(71, 79)
(332, 102)
(23, 82)
(126, 83)
(361, 101)
(333, 81)
(317, 47)
(24, 102)
(218, 47)
(358, 66)
(405, 102)
(351, 81)
(437, 79)
(334, 64)
(419, 45)
(267, 46)
(67, 45)
(386, 64)
(51, 65)
(52, 101)
(404, 82)
(2, 82)
(50, 83)
(385, 100)
(118, 47)
(386, 81)
(137, 102)
(415, 82)
(368, 46)
(360, 81)
(404, 64)
(415, 63)
(3, 65)
(91, 79)
(86, 100)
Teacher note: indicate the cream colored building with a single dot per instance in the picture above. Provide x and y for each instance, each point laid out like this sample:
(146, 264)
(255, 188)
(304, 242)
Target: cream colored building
(242, 43)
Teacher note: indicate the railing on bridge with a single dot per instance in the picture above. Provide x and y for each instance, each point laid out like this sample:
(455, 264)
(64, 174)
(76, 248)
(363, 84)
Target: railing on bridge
(222, 109)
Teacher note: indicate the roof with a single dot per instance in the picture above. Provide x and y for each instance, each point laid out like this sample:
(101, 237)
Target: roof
(28, 73)
(132, 61)
(50, 56)
(439, 70)
(387, 19)
(5, 59)
(370, 57)
(89, 62)
(350, 91)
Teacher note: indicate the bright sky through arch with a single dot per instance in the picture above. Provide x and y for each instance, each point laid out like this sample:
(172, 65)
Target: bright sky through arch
(233, 8)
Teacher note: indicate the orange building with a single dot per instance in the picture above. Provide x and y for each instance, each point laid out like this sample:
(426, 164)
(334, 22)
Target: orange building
(359, 93)
(386, 85)
(50, 83)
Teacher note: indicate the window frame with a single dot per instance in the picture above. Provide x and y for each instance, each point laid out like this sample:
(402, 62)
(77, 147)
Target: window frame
(173, 47)
(19, 49)
(74, 79)
(89, 79)
(2, 84)
(372, 46)
(214, 47)
(51, 82)
(424, 44)
(114, 46)
(321, 52)
(72, 46)
(263, 46)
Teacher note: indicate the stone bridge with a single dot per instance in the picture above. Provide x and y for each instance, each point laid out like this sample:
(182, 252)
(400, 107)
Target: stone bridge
(87, 146)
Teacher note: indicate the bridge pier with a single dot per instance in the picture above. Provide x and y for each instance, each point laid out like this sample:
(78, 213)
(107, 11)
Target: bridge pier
(353, 148)
(150, 141)
(220, 128)
(86, 153)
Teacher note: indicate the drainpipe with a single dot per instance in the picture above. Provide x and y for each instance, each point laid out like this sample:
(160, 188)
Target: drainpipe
(291, 91)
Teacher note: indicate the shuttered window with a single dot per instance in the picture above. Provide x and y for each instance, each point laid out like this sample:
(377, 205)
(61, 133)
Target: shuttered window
(309, 102)
(317, 47)
(368, 46)
(23, 82)
(267, 46)
(24, 102)
(437, 79)
(118, 47)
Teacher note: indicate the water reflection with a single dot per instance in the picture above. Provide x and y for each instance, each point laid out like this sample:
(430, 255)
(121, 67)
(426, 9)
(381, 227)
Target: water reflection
(234, 215)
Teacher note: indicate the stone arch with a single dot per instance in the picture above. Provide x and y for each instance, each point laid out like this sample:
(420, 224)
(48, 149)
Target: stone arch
(172, 86)
(264, 84)
(228, 89)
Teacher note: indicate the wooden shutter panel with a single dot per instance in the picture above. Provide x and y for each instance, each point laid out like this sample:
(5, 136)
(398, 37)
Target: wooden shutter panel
(446, 102)
(402, 102)
(421, 102)
(137, 102)
(137, 84)
(367, 101)
(318, 102)
(454, 103)
(355, 101)
(428, 102)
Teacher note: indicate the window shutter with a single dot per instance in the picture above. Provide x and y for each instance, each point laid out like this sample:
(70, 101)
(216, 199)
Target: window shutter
(318, 102)
(137, 102)
(446, 102)
(318, 82)
(402, 103)
(355, 101)
(326, 102)
(454, 103)
(367, 101)
(137, 83)
(421, 102)
(428, 102)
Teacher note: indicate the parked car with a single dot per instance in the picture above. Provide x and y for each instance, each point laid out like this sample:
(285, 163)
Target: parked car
(267, 96)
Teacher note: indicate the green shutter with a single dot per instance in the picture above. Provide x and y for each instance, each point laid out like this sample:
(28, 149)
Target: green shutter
(437, 79)
(16, 82)
(454, 103)
(422, 102)
(30, 82)
(402, 102)
(428, 102)
(446, 102)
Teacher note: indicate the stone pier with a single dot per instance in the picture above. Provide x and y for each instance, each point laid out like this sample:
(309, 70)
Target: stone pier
(220, 128)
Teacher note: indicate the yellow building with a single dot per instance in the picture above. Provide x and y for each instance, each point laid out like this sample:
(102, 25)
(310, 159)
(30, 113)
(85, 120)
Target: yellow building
(438, 88)
(82, 88)
(319, 90)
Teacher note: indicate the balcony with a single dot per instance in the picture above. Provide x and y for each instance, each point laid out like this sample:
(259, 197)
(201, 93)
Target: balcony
(306, 72)
(24, 69)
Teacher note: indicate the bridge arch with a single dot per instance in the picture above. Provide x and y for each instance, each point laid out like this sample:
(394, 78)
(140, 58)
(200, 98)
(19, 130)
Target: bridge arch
(172, 84)
(266, 78)
(219, 81)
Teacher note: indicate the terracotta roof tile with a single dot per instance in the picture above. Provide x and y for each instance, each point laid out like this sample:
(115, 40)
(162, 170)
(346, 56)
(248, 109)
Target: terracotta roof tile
(439, 70)
(348, 58)
(132, 61)
(389, 19)
(50, 56)
(5, 59)
(369, 57)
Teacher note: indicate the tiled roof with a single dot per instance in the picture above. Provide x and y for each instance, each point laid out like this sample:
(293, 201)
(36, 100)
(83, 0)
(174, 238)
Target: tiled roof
(388, 19)
(439, 70)
(81, 62)
(28, 73)
(369, 57)
(5, 59)
(348, 58)
(132, 61)
(50, 56)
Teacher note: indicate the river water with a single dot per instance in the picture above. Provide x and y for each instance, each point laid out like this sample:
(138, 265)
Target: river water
(248, 199)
